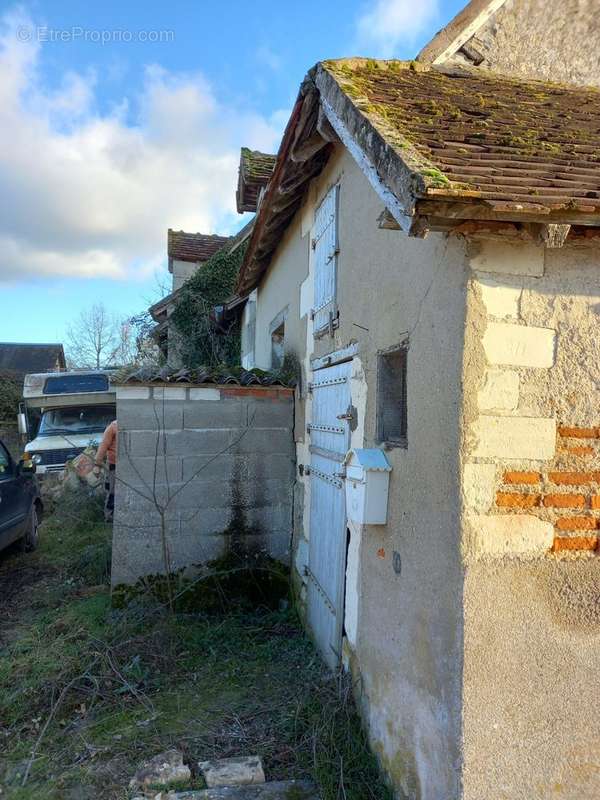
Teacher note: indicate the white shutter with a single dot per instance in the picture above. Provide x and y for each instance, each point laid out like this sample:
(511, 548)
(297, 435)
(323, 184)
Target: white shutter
(326, 248)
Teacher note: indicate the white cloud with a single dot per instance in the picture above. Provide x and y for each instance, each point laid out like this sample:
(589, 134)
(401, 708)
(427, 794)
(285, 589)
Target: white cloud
(86, 194)
(388, 24)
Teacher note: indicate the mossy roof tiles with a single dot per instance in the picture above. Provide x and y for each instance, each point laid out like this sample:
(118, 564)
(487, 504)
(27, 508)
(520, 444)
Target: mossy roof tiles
(194, 247)
(254, 172)
(482, 136)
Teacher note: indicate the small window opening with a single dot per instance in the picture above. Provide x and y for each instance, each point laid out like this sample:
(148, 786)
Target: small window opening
(392, 411)
(278, 346)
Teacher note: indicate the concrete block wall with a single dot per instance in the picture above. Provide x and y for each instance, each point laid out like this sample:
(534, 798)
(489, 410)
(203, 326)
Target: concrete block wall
(217, 464)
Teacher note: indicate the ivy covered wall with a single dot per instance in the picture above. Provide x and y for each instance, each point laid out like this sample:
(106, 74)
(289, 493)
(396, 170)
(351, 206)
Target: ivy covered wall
(198, 340)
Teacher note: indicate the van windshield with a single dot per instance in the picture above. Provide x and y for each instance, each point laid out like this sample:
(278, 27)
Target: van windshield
(75, 421)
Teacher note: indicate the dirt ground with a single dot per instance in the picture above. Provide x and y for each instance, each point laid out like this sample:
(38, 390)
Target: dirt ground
(88, 692)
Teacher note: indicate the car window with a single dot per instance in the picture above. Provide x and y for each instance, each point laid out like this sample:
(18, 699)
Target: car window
(5, 463)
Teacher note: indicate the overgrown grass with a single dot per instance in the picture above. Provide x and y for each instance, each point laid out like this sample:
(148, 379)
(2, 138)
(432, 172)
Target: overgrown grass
(110, 688)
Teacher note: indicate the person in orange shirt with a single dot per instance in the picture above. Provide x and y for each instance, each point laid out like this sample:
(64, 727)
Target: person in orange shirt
(108, 450)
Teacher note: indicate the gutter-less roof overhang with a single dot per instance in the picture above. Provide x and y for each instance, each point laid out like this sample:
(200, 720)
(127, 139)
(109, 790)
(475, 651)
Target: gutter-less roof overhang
(447, 42)
(441, 148)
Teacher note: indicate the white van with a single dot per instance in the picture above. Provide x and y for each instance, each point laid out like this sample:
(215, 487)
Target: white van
(65, 412)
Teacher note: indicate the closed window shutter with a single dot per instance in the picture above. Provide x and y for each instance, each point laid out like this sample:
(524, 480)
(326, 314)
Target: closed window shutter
(249, 335)
(326, 247)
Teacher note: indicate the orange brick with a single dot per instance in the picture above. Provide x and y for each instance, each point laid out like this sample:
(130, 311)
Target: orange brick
(516, 500)
(564, 501)
(574, 543)
(578, 433)
(522, 477)
(595, 502)
(585, 450)
(264, 392)
(576, 524)
(572, 478)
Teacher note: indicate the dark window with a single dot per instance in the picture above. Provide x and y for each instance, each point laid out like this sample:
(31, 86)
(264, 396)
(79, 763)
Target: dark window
(278, 346)
(392, 417)
(74, 384)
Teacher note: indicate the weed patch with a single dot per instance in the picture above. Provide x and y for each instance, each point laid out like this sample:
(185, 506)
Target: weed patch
(89, 691)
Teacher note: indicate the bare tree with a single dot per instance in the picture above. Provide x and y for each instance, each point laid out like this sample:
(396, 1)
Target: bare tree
(98, 339)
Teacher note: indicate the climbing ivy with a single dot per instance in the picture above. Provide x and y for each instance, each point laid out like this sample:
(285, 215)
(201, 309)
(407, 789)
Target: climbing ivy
(199, 342)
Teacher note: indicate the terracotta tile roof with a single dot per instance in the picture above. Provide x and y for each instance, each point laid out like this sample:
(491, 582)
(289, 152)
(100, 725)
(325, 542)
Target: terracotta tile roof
(444, 150)
(521, 145)
(194, 247)
(203, 375)
(17, 359)
(254, 172)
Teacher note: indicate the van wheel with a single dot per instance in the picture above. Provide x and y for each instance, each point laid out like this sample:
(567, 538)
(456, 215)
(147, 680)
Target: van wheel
(31, 539)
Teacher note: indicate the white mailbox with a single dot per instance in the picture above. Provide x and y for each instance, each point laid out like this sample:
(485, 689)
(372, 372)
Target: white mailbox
(367, 482)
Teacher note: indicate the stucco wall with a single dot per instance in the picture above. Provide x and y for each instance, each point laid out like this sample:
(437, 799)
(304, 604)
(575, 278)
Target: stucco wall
(403, 631)
(530, 458)
(549, 39)
(182, 270)
(280, 292)
(219, 461)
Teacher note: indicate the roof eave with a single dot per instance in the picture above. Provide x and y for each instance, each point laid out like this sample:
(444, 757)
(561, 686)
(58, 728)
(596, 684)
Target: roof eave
(448, 41)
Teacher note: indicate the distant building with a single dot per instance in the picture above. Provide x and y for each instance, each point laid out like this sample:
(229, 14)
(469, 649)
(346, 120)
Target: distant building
(19, 359)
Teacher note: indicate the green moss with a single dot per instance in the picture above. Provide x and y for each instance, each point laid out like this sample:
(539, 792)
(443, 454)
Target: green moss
(437, 179)
(199, 344)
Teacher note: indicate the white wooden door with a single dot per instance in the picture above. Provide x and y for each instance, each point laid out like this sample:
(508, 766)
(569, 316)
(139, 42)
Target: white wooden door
(329, 441)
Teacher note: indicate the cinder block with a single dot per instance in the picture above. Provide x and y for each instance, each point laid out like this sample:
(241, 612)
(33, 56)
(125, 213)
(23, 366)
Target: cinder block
(149, 471)
(205, 414)
(500, 391)
(149, 416)
(207, 442)
(195, 551)
(169, 393)
(141, 443)
(265, 442)
(515, 437)
(205, 394)
(511, 534)
(132, 392)
(270, 414)
(519, 345)
(270, 518)
(201, 521)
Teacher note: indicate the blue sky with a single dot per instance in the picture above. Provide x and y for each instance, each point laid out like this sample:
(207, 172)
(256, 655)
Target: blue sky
(106, 144)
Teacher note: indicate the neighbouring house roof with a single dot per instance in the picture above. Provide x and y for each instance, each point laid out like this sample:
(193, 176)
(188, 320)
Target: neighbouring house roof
(459, 30)
(441, 147)
(159, 310)
(18, 359)
(204, 375)
(193, 247)
(254, 172)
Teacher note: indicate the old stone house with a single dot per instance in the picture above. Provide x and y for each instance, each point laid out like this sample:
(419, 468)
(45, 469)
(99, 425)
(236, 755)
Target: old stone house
(427, 247)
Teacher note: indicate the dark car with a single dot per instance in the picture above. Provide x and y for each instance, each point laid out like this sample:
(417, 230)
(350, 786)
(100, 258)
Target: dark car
(20, 504)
